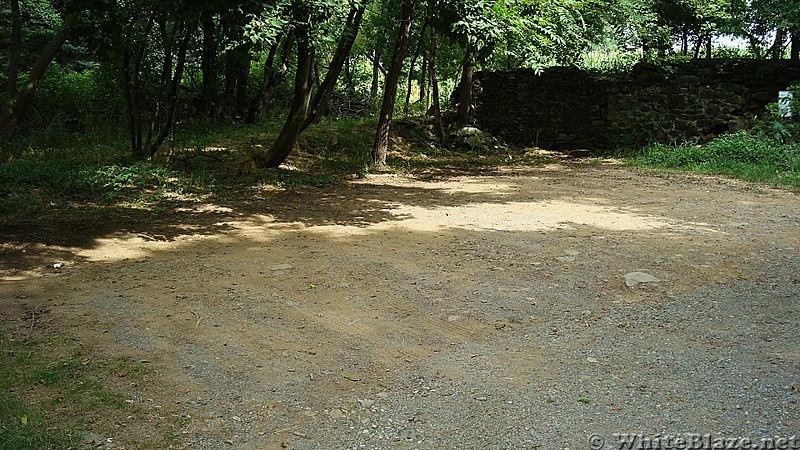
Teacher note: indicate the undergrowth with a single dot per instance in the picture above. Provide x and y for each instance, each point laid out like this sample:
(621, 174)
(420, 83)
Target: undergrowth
(204, 162)
(740, 155)
(49, 401)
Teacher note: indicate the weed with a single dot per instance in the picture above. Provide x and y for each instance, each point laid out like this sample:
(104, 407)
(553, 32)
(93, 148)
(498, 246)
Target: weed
(780, 122)
(48, 401)
(741, 155)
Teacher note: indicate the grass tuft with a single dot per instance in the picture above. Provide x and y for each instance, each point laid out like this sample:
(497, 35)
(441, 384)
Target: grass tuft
(50, 402)
(740, 155)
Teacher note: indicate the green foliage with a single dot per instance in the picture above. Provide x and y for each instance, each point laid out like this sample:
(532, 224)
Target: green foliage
(774, 123)
(757, 21)
(94, 174)
(742, 155)
(76, 102)
(732, 52)
(609, 60)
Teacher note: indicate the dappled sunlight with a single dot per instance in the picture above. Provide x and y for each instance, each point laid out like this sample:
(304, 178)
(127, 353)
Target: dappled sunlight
(18, 276)
(121, 248)
(525, 216)
(533, 202)
(511, 204)
(458, 185)
(313, 300)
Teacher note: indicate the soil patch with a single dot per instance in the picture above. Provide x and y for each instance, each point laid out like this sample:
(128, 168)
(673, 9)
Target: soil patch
(474, 312)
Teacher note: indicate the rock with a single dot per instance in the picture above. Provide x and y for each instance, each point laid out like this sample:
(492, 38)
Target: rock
(407, 434)
(634, 278)
(366, 403)
(580, 153)
(278, 267)
(471, 138)
(352, 376)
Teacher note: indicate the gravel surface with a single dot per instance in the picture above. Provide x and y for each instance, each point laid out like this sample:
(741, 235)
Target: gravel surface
(472, 312)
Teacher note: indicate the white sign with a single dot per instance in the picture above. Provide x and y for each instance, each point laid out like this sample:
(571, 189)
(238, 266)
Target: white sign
(784, 103)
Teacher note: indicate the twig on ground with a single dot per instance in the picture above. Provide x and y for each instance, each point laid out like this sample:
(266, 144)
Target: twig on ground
(33, 323)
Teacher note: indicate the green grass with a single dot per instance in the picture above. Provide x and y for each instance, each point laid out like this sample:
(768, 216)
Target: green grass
(739, 155)
(62, 175)
(202, 163)
(49, 401)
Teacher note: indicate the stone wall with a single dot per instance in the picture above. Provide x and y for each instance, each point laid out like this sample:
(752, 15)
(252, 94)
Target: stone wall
(566, 108)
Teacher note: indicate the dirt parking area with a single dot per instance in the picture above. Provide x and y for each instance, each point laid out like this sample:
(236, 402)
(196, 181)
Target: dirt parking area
(466, 312)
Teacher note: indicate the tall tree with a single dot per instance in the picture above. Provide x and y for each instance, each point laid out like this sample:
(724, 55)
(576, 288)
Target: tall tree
(435, 107)
(16, 106)
(321, 97)
(380, 146)
(13, 62)
(237, 61)
(466, 111)
(208, 65)
(303, 85)
(272, 77)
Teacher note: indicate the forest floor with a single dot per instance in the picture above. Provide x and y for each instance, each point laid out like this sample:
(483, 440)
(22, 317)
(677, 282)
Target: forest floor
(399, 312)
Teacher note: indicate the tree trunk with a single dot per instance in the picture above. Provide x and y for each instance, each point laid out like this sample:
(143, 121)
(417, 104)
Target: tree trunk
(13, 117)
(465, 109)
(348, 77)
(131, 101)
(685, 40)
(208, 66)
(316, 75)
(755, 46)
(437, 110)
(776, 51)
(697, 46)
(172, 100)
(795, 52)
(237, 69)
(320, 100)
(423, 77)
(272, 79)
(709, 46)
(168, 38)
(376, 67)
(131, 74)
(303, 83)
(381, 145)
(410, 83)
(13, 60)
(257, 106)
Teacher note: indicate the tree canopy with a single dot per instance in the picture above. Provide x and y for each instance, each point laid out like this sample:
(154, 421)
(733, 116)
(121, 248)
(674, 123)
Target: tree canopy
(146, 64)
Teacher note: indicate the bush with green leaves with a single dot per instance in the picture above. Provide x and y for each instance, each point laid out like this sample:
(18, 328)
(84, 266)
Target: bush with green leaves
(93, 175)
(743, 155)
(776, 124)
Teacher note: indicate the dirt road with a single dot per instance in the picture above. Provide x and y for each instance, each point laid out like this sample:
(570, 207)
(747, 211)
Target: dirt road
(472, 312)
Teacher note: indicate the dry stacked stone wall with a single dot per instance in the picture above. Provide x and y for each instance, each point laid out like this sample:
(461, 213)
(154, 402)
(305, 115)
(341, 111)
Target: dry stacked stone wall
(567, 108)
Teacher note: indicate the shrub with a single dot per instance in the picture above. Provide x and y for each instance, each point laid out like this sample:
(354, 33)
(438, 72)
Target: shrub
(743, 155)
